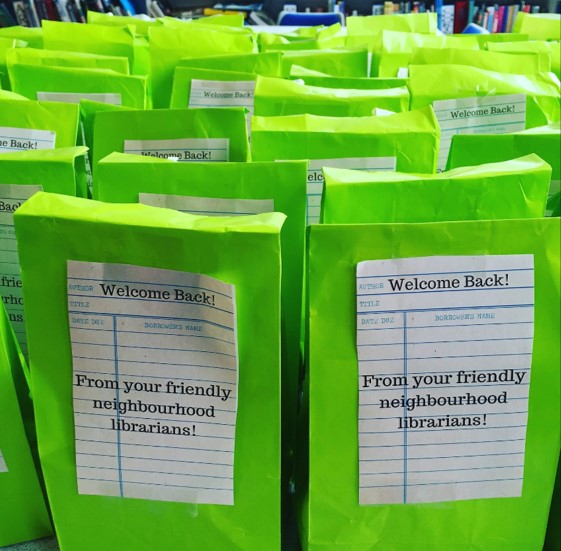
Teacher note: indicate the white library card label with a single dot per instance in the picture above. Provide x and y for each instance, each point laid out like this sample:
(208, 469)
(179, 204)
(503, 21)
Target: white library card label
(76, 97)
(222, 93)
(155, 376)
(208, 206)
(444, 354)
(11, 197)
(3, 466)
(190, 149)
(25, 139)
(478, 115)
(314, 189)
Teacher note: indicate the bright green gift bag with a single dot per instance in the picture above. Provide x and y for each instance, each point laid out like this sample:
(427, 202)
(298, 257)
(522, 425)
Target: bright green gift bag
(141, 26)
(538, 46)
(407, 142)
(96, 39)
(393, 49)
(395, 340)
(409, 23)
(71, 84)
(5, 94)
(169, 45)
(471, 100)
(22, 507)
(268, 64)
(6, 47)
(503, 190)
(226, 189)
(277, 97)
(315, 78)
(184, 312)
(23, 174)
(339, 62)
(523, 63)
(33, 125)
(185, 134)
(194, 87)
(543, 26)
(32, 35)
(54, 58)
(545, 141)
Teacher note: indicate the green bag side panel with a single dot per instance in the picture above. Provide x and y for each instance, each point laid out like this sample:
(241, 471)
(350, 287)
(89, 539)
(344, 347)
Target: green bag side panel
(55, 58)
(333, 516)
(52, 229)
(61, 118)
(267, 64)
(278, 97)
(411, 137)
(503, 190)
(22, 507)
(344, 62)
(32, 35)
(28, 80)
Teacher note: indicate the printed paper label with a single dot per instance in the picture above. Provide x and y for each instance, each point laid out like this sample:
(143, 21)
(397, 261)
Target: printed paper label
(25, 139)
(444, 349)
(222, 93)
(11, 197)
(478, 115)
(76, 97)
(155, 371)
(315, 178)
(191, 149)
(3, 466)
(208, 206)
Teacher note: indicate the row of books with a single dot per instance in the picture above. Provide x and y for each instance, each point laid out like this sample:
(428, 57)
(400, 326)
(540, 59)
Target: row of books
(453, 18)
(30, 13)
(499, 19)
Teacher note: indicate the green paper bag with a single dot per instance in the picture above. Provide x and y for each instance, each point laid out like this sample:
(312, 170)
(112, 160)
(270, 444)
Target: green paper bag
(538, 46)
(268, 64)
(503, 190)
(22, 507)
(194, 87)
(5, 94)
(33, 125)
(315, 78)
(409, 23)
(32, 35)
(206, 474)
(467, 100)
(96, 39)
(343, 62)
(184, 134)
(394, 49)
(223, 189)
(71, 84)
(407, 142)
(54, 58)
(23, 174)
(463, 485)
(542, 26)
(6, 46)
(141, 26)
(545, 141)
(88, 112)
(169, 45)
(277, 97)
(528, 63)
(222, 20)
